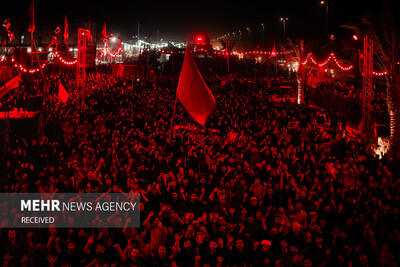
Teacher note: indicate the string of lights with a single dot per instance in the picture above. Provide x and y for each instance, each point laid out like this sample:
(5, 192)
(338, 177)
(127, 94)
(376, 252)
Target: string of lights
(331, 57)
(109, 53)
(64, 61)
(239, 33)
(106, 52)
(232, 53)
(26, 70)
(340, 66)
(382, 73)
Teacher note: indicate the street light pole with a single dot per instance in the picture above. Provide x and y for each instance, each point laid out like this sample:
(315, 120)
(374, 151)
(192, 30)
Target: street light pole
(284, 26)
(262, 25)
(325, 3)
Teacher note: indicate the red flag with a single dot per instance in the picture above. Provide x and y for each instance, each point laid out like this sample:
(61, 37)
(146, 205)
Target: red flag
(66, 35)
(104, 31)
(226, 47)
(11, 84)
(90, 29)
(31, 27)
(7, 24)
(193, 92)
(62, 93)
(273, 52)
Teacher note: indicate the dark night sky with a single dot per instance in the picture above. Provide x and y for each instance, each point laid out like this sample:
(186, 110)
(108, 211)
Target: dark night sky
(178, 20)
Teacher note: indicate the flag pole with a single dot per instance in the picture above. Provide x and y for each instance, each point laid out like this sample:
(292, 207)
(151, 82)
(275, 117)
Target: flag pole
(37, 56)
(172, 119)
(276, 66)
(176, 99)
(227, 52)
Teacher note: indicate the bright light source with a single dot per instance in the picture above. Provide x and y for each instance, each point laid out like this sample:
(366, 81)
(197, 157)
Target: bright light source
(382, 147)
(113, 39)
(29, 50)
(200, 39)
(355, 37)
(40, 49)
(322, 2)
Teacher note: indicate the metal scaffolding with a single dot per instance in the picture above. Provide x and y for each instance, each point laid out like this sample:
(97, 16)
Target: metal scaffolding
(367, 83)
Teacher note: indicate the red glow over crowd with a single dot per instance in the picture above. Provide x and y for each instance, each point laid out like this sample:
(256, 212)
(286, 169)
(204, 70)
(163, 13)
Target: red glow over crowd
(241, 157)
(266, 183)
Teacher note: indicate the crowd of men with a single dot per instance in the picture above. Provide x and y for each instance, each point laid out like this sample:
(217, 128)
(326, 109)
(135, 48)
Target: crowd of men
(264, 184)
(352, 92)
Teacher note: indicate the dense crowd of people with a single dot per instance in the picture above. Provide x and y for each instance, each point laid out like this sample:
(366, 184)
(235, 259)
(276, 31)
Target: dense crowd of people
(264, 184)
(352, 92)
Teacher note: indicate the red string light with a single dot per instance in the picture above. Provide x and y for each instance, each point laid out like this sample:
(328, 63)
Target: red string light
(66, 62)
(113, 54)
(326, 61)
(107, 52)
(383, 73)
(26, 70)
(233, 53)
(331, 57)
(340, 66)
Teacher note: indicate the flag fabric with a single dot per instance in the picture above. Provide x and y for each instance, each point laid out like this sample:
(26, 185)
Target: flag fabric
(352, 132)
(104, 31)
(193, 92)
(62, 93)
(7, 24)
(273, 52)
(31, 27)
(11, 84)
(90, 29)
(226, 47)
(66, 34)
